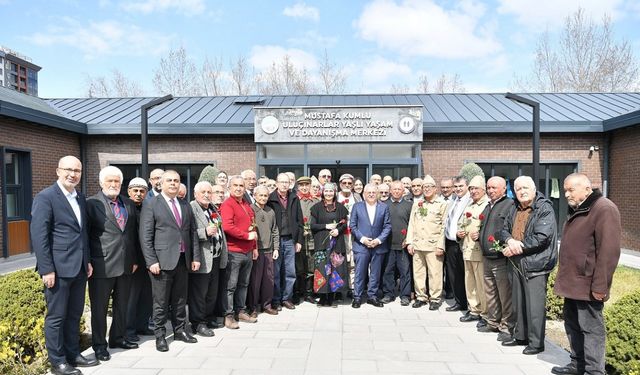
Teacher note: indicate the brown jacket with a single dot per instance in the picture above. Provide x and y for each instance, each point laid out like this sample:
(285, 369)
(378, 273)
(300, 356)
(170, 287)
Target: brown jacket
(590, 249)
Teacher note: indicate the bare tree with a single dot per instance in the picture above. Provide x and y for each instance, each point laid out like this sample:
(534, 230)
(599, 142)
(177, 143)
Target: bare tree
(212, 77)
(586, 58)
(241, 76)
(423, 84)
(448, 84)
(399, 89)
(117, 86)
(332, 77)
(177, 75)
(283, 78)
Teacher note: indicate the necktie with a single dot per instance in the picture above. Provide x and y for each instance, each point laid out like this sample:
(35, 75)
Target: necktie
(176, 214)
(118, 214)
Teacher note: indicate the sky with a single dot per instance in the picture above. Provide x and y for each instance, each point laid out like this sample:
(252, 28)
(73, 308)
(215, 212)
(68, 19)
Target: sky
(378, 43)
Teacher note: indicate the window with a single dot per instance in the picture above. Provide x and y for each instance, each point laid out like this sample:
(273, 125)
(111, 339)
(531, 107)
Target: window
(17, 182)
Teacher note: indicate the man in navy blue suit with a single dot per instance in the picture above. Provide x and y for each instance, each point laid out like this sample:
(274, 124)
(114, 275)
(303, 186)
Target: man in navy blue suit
(370, 225)
(61, 244)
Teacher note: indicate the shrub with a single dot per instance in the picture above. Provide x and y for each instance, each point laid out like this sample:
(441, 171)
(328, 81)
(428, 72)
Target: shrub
(554, 302)
(470, 170)
(209, 174)
(623, 334)
(22, 311)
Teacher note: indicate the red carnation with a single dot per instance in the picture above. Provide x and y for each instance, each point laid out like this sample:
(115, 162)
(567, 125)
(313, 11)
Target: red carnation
(214, 216)
(468, 215)
(404, 232)
(481, 217)
(347, 231)
(305, 219)
(491, 238)
(346, 201)
(420, 204)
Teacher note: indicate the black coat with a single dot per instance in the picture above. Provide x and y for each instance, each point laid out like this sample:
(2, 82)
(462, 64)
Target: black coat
(540, 252)
(320, 217)
(113, 251)
(295, 217)
(492, 225)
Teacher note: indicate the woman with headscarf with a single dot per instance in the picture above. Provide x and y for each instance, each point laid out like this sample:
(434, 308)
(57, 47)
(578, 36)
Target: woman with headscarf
(328, 223)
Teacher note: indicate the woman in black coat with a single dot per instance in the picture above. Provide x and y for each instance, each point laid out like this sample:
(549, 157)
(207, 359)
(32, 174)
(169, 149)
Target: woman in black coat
(328, 224)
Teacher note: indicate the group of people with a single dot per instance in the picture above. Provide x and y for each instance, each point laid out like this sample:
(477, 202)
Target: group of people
(245, 246)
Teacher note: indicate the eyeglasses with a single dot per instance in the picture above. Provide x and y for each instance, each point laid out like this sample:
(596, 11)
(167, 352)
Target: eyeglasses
(346, 183)
(384, 193)
(70, 171)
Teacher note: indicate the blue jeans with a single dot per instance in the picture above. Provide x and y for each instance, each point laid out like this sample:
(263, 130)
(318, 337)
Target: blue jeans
(284, 272)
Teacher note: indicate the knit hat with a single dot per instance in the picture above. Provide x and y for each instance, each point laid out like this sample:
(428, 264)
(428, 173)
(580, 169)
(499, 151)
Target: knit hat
(138, 182)
(346, 176)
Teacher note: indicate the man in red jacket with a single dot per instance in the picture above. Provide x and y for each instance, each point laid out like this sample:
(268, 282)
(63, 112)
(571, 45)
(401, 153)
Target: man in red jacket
(238, 223)
(589, 254)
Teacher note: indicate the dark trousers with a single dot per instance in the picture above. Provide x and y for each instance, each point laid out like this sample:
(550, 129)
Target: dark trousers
(448, 289)
(140, 303)
(238, 274)
(455, 270)
(397, 261)
(369, 263)
(169, 287)
(100, 290)
(584, 324)
(65, 303)
(261, 282)
(529, 305)
(203, 293)
(222, 293)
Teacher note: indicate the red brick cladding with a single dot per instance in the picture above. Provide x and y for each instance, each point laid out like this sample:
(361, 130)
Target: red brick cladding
(625, 174)
(444, 155)
(229, 153)
(47, 146)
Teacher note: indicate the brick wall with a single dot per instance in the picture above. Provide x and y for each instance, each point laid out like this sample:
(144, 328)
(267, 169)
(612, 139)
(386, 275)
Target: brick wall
(47, 146)
(624, 169)
(229, 153)
(444, 155)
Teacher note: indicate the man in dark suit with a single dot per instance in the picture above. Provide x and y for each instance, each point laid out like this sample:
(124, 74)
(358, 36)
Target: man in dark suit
(59, 239)
(370, 225)
(169, 241)
(113, 236)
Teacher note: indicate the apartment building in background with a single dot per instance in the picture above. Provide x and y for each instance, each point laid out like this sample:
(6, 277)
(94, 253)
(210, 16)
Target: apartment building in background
(17, 72)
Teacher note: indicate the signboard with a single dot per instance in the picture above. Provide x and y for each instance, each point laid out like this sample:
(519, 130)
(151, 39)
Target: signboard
(338, 124)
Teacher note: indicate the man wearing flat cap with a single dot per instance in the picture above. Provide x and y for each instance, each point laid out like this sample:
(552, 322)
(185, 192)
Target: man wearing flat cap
(469, 225)
(304, 259)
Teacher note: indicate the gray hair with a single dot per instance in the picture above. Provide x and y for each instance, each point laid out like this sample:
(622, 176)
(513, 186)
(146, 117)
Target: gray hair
(524, 181)
(244, 174)
(260, 188)
(200, 185)
(109, 171)
(235, 177)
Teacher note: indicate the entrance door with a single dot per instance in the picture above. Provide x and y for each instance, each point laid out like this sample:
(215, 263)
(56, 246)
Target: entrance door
(357, 171)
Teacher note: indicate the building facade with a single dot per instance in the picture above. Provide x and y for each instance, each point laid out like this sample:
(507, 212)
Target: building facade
(596, 134)
(18, 73)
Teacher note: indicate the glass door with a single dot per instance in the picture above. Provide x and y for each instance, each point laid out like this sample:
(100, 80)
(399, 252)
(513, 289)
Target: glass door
(358, 171)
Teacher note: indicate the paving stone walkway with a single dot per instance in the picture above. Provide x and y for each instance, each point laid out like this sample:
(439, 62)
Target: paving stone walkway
(311, 340)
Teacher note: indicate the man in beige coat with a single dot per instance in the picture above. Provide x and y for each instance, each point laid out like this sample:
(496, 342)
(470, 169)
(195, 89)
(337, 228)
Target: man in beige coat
(425, 239)
(468, 231)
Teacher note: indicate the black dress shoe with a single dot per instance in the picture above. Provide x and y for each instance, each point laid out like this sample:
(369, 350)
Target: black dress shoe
(515, 342)
(374, 302)
(103, 355)
(203, 330)
(487, 328)
(503, 336)
(387, 299)
(82, 361)
(530, 350)
(434, 306)
(455, 307)
(405, 301)
(418, 304)
(310, 299)
(355, 304)
(123, 344)
(481, 323)
(145, 332)
(184, 337)
(214, 324)
(469, 318)
(161, 344)
(64, 369)
(569, 369)
(132, 338)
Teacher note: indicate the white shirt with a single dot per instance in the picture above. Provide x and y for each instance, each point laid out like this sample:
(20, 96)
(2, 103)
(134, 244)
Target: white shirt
(171, 206)
(452, 220)
(371, 210)
(72, 198)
